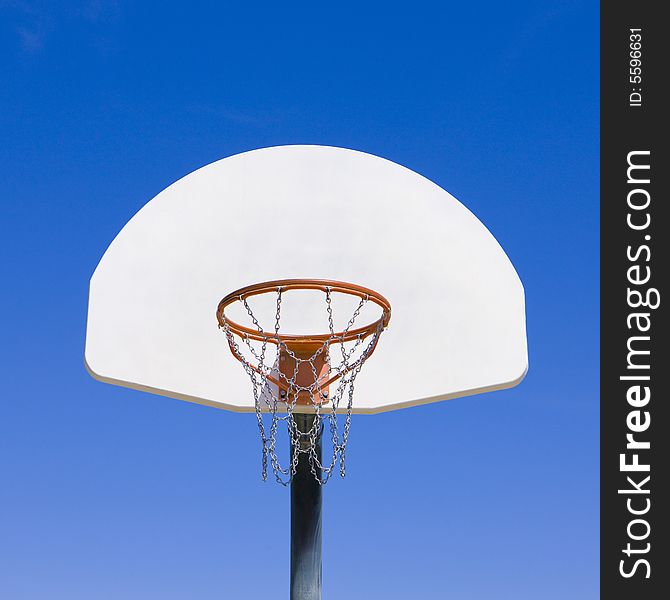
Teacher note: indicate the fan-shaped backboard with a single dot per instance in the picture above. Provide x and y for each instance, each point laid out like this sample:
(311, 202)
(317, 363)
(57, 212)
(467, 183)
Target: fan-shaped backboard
(458, 317)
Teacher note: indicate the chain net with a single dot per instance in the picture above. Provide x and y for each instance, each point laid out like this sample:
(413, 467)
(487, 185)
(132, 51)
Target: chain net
(276, 407)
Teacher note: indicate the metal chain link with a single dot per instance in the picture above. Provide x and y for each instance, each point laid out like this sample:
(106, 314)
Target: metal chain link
(270, 398)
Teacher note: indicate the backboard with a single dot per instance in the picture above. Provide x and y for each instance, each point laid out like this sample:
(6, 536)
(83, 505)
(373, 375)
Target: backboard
(458, 325)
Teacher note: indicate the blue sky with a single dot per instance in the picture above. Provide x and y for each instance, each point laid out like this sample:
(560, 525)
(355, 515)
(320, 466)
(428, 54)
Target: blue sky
(109, 493)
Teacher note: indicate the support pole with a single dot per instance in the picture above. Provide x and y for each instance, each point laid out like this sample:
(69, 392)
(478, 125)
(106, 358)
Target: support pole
(305, 524)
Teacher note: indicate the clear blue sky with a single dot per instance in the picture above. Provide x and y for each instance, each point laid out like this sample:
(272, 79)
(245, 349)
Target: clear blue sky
(109, 493)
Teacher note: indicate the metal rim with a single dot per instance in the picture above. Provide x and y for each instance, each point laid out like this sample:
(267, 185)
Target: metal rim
(304, 284)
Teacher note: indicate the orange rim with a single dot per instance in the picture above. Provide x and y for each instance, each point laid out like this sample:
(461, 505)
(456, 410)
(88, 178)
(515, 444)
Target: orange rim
(293, 340)
(297, 342)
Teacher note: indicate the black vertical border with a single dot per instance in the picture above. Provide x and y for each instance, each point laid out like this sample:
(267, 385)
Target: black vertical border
(626, 128)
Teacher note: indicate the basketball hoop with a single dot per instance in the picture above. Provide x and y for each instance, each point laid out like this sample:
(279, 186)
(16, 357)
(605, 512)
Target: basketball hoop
(302, 342)
(302, 375)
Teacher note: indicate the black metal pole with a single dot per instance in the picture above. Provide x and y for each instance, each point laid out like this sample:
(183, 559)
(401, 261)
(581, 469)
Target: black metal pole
(305, 524)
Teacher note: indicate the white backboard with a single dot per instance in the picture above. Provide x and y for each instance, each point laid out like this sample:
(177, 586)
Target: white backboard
(458, 317)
